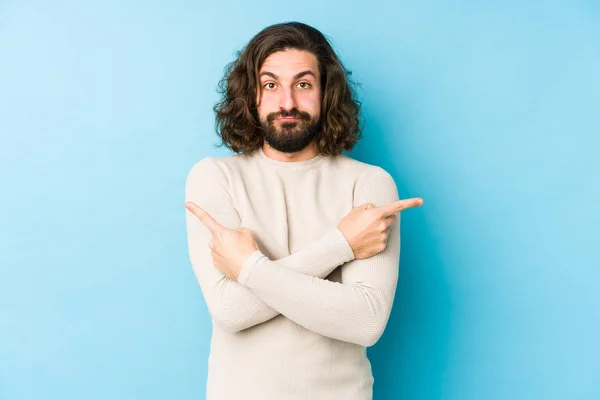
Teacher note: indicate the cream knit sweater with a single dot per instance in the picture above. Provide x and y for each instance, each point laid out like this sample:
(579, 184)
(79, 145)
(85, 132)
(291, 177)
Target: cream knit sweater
(297, 323)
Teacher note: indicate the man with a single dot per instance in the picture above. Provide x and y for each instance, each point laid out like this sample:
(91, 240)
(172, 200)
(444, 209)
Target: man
(295, 246)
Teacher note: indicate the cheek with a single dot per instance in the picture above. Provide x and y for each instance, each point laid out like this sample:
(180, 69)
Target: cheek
(266, 105)
(311, 105)
(262, 112)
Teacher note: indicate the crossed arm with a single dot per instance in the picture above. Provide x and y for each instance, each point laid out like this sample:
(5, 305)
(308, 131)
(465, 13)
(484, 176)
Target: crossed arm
(355, 310)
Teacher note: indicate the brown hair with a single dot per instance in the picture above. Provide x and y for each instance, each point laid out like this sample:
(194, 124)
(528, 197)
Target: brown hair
(237, 121)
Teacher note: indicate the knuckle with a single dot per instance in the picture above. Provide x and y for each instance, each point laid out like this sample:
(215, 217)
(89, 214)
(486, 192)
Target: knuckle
(366, 206)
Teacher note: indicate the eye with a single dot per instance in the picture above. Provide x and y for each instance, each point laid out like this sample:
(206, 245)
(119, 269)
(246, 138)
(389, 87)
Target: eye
(306, 85)
(266, 85)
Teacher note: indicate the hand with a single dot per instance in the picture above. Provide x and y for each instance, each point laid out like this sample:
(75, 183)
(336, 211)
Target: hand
(367, 227)
(229, 248)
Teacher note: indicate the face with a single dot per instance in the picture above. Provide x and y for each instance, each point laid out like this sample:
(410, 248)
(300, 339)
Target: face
(289, 99)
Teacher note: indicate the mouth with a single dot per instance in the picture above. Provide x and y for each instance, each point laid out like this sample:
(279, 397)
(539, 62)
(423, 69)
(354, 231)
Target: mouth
(286, 119)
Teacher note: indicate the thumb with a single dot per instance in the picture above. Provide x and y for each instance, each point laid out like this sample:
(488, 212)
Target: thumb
(246, 232)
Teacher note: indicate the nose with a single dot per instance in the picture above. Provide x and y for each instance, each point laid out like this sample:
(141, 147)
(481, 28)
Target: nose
(287, 100)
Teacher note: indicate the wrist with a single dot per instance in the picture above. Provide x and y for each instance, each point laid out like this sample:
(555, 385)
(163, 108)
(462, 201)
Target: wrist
(246, 267)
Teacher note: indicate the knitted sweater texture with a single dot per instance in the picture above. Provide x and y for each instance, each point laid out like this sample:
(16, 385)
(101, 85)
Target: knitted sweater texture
(297, 322)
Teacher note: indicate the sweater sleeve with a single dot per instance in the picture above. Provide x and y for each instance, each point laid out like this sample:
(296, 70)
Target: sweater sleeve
(355, 310)
(231, 305)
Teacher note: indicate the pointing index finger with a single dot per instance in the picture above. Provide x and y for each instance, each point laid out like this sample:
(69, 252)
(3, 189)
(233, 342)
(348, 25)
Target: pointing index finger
(400, 205)
(204, 217)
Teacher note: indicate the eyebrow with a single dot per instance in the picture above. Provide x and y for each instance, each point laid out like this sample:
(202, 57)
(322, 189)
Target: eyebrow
(297, 76)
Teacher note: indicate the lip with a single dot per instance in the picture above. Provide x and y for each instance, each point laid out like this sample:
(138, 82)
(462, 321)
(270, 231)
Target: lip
(286, 119)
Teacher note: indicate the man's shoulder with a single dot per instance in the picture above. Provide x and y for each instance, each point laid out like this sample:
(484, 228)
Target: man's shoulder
(372, 184)
(360, 169)
(218, 166)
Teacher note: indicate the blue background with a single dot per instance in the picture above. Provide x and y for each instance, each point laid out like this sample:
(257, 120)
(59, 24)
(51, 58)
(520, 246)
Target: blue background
(487, 110)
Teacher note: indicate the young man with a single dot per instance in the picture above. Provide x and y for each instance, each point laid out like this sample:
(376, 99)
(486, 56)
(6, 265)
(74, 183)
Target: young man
(295, 246)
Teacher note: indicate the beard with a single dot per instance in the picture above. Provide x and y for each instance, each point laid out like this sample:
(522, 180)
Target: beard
(290, 137)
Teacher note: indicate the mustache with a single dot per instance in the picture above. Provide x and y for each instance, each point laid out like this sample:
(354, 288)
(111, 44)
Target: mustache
(292, 113)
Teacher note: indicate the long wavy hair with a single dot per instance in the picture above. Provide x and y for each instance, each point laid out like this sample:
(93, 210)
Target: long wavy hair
(237, 122)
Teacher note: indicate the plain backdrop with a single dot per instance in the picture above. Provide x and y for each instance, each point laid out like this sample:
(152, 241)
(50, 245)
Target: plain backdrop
(488, 110)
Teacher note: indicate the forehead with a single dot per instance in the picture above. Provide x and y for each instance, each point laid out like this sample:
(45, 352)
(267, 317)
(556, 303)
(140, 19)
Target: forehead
(289, 62)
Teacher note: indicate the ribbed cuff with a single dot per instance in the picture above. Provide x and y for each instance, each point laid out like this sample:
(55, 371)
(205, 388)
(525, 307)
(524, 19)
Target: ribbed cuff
(247, 266)
(340, 245)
